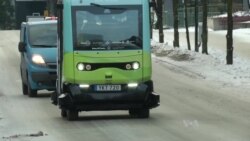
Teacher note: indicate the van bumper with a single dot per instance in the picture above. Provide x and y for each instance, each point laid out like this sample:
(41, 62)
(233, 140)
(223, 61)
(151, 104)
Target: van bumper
(44, 80)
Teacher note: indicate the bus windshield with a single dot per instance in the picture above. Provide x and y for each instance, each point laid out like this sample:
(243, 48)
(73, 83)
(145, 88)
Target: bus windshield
(98, 27)
(43, 35)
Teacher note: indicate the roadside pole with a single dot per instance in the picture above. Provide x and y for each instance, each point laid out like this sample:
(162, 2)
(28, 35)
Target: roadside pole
(229, 35)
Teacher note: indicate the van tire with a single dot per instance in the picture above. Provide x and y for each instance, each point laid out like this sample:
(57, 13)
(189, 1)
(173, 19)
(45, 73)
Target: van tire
(24, 89)
(31, 92)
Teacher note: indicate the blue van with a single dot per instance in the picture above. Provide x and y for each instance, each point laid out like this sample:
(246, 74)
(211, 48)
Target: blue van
(37, 46)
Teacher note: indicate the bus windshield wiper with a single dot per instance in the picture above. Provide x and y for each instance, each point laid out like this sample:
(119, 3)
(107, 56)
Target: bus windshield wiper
(106, 7)
(37, 45)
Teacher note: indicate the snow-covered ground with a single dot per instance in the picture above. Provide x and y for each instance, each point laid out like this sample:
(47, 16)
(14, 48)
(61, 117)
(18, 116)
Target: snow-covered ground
(210, 67)
(236, 14)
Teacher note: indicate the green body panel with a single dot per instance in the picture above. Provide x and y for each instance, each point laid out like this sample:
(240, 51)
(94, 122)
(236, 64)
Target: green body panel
(68, 68)
(119, 76)
(67, 28)
(71, 58)
(147, 66)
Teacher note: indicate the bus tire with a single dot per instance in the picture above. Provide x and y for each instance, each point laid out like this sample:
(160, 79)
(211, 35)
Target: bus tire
(63, 113)
(143, 113)
(140, 113)
(72, 115)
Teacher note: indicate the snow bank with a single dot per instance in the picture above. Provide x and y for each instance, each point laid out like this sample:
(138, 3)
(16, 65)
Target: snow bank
(211, 67)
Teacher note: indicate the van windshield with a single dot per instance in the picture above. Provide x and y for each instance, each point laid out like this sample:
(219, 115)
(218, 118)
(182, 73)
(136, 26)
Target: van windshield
(43, 35)
(99, 27)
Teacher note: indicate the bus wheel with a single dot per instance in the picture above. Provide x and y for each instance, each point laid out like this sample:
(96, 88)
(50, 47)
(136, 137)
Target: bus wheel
(132, 112)
(140, 113)
(72, 115)
(63, 113)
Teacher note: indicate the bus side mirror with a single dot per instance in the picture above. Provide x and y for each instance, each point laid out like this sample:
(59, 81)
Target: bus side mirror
(21, 47)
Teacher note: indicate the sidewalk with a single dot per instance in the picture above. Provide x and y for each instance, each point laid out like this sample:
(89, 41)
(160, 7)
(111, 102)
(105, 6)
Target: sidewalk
(210, 67)
(216, 40)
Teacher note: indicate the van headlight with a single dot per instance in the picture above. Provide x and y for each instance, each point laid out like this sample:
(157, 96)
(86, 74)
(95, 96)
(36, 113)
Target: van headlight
(38, 59)
(136, 65)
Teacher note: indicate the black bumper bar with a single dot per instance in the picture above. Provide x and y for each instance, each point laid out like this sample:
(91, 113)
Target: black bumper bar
(137, 98)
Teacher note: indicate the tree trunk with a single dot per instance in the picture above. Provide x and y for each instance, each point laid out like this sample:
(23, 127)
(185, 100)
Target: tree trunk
(229, 33)
(186, 24)
(196, 26)
(160, 21)
(153, 5)
(204, 28)
(151, 22)
(176, 23)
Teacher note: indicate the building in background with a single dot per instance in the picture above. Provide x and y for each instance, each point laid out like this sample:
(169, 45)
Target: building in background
(24, 8)
(246, 5)
(51, 4)
(215, 7)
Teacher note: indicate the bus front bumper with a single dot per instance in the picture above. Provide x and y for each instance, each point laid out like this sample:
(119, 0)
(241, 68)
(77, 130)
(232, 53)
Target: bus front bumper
(91, 101)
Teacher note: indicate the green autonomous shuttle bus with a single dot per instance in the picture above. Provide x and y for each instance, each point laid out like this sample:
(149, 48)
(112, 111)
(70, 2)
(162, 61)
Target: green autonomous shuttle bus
(104, 59)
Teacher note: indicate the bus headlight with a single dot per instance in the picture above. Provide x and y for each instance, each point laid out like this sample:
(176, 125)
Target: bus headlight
(132, 85)
(88, 67)
(136, 65)
(84, 86)
(128, 66)
(80, 66)
(38, 59)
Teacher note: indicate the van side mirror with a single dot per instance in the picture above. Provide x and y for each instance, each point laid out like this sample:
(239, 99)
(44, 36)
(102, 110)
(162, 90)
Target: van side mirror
(21, 47)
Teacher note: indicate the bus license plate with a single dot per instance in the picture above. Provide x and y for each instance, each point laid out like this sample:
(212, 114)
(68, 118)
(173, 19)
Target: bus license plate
(108, 88)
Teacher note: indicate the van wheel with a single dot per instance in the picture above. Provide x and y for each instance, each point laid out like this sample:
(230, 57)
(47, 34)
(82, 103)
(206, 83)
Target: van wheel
(63, 113)
(31, 92)
(72, 115)
(140, 113)
(25, 89)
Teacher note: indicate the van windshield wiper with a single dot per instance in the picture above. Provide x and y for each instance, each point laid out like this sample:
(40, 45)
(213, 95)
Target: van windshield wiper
(106, 7)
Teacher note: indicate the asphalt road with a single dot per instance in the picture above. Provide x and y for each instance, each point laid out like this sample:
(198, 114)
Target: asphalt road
(191, 109)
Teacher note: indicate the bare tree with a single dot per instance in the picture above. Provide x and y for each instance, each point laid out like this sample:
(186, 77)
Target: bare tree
(196, 26)
(176, 23)
(6, 13)
(204, 28)
(186, 24)
(160, 21)
(229, 35)
(51, 7)
(152, 7)
(159, 24)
